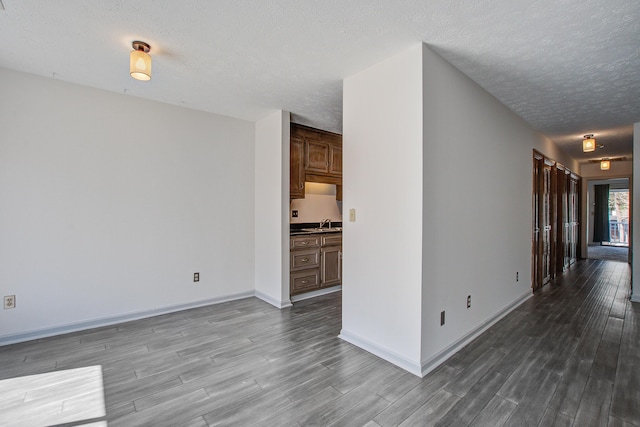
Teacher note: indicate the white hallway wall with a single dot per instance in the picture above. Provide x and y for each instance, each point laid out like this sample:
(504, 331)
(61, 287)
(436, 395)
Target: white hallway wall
(450, 168)
(110, 203)
(477, 210)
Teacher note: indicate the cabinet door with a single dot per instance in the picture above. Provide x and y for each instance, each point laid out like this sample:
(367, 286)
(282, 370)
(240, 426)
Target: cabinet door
(316, 156)
(296, 169)
(331, 269)
(335, 159)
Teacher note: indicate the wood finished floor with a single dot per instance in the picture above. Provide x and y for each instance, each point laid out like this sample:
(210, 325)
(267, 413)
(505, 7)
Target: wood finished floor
(568, 356)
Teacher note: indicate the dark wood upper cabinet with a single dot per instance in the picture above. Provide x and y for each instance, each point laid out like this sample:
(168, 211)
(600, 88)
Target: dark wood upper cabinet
(321, 159)
(335, 159)
(297, 175)
(316, 156)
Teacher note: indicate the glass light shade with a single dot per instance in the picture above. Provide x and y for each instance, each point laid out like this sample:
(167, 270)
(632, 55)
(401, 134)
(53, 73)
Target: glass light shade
(140, 65)
(605, 165)
(588, 145)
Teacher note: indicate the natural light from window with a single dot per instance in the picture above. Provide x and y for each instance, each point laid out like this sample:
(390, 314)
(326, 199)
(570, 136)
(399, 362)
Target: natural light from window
(52, 398)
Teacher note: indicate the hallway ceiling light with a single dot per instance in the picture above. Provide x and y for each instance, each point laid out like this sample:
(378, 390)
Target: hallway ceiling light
(140, 61)
(588, 143)
(605, 164)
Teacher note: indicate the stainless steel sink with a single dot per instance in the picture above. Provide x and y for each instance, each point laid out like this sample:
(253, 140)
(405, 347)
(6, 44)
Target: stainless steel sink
(322, 230)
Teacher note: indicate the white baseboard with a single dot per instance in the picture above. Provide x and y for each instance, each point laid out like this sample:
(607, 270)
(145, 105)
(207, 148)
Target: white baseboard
(112, 320)
(436, 360)
(635, 298)
(273, 301)
(423, 368)
(381, 352)
(317, 293)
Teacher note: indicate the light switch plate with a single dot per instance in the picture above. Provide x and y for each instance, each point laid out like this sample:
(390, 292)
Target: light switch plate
(352, 215)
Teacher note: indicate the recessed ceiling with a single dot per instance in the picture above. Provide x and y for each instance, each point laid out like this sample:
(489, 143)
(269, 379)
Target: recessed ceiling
(569, 67)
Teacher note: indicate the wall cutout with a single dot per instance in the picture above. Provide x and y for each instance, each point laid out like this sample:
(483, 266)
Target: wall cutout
(319, 203)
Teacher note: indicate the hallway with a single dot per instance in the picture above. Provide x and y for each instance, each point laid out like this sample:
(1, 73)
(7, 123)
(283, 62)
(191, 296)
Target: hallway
(608, 252)
(567, 356)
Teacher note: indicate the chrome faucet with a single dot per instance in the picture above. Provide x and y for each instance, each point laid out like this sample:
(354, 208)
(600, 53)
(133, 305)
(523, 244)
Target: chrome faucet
(325, 221)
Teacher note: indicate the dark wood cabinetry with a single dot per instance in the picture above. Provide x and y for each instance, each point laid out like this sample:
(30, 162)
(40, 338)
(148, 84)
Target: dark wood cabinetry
(297, 176)
(331, 260)
(315, 262)
(316, 156)
(335, 159)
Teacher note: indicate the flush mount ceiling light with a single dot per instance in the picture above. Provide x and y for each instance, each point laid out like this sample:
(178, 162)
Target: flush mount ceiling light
(605, 164)
(140, 61)
(588, 143)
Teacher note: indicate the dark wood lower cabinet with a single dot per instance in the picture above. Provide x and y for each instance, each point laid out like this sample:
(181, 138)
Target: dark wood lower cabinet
(331, 266)
(305, 281)
(315, 262)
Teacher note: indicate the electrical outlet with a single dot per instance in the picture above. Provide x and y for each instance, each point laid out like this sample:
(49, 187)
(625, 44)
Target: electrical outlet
(517, 274)
(441, 318)
(294, 213)
(9, 301)
(469, 301)
(196, 277)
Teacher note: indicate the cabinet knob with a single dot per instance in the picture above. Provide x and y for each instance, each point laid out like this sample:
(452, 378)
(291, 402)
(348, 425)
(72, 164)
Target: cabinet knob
(303, 243)
(304, 260)
(304, 282)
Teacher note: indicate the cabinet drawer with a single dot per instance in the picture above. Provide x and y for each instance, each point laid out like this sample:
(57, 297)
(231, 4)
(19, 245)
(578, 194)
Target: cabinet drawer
(305, 281)
(307, 241)
(332, 239)
(303, 259)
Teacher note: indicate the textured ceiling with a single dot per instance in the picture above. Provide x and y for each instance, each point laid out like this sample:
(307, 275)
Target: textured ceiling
(568, 67)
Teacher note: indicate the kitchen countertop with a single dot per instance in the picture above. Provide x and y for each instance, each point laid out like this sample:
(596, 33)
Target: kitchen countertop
(298, 229)
(315, 231)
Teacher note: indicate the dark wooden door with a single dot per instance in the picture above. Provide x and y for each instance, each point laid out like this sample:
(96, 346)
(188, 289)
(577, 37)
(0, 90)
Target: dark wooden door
(536, 260)
(574, 221)
(546, 222)
(556, 227)
(544, 248)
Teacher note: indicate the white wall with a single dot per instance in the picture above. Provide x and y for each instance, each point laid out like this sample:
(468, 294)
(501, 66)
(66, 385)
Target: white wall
(621, 169)
(450, 168)
(382, 181)
(477, 215)
(319, 203)
(110, 204)
(271, 209)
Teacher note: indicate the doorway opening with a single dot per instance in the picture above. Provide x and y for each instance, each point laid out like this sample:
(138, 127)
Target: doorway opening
(608, 221)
